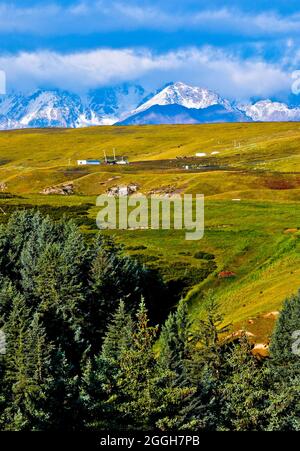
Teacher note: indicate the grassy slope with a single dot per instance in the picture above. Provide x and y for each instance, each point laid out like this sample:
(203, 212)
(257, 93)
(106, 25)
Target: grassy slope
(247, 237)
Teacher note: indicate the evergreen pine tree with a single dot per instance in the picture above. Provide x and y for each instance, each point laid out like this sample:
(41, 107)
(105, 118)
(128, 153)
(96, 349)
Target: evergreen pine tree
(174, 356)
(174, 339)
(97, 395)
(8, 292)
(207, 339)
(284, 337)
(66, 412)
(207, 364)
(112, 277)
(244, 391)
(284, 369)
(146, 395)
(98, 387)
(3, 399)
(118, 336)
(27, 370)
(13, 237)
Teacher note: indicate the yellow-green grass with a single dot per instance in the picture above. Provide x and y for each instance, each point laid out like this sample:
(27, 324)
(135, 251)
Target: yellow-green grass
(257, 163)
(32, 160)
(273, 146)
(216, 185)
(249, 239)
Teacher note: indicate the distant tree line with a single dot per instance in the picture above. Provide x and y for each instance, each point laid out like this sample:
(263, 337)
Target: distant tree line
(81, 350)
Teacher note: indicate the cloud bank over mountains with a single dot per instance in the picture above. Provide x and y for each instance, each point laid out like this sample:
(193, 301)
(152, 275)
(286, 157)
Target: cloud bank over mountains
(128, 104)
(231, 76)
(240, 49)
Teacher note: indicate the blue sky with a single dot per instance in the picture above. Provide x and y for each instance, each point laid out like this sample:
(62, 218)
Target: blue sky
(240, 49)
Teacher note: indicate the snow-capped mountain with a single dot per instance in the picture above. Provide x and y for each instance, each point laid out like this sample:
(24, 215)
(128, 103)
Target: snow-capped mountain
(57, 108)
(40, 109)
(177, 114)
(186, 96)
(179, 103)
(176, 103)
(113, 104)
(268, 111)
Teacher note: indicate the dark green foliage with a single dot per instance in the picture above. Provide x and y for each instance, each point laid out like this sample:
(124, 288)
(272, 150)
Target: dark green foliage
(182, 276)
(98, 412)
(207, 341)
(284, 368)
(28, 368)
(99, 382)
(57, 294)
(147, 259)
(136, 248)
(78, 213)
(118, 336)
(79, 349)
(174, 344)
(142, 393)
(243, 391)
(285, 334)
(65, 408)
(204, 256)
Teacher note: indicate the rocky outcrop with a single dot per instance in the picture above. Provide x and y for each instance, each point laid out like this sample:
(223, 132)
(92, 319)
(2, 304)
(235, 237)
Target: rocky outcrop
(65, 189)
(123, 190)
(3, 187)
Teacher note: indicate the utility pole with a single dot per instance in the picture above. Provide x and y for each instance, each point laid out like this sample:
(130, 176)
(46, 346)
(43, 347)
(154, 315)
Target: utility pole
(114, 151)
(105, 158)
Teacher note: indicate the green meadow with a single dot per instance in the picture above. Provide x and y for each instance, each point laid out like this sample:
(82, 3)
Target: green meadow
(256, 237)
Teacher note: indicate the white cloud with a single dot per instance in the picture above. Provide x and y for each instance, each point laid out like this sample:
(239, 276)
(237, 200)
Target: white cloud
(81, 71)
(209, 67)
(229, 75)
(99, 15)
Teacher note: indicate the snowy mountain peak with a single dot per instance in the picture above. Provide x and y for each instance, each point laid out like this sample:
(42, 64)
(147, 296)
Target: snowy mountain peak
(40, 109)
(55, 108)
(129, 104)
(184, 95)
(267, 110)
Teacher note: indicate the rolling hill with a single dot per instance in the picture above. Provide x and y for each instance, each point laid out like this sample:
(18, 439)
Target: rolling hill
(249, 173)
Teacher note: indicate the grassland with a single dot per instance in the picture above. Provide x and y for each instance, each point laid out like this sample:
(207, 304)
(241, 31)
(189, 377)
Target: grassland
(257, 237)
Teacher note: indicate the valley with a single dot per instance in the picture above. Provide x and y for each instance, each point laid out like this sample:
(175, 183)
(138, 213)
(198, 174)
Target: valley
(250, 176)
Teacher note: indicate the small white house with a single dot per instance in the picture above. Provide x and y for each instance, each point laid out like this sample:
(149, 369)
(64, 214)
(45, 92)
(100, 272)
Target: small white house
(201, 154)
(123, 161)
(88, 162)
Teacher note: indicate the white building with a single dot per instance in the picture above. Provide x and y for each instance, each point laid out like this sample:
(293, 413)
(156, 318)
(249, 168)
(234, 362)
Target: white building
(88, 162)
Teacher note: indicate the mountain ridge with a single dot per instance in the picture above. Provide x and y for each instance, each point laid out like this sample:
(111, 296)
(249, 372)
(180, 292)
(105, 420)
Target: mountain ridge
(129, 103)
(178, 114)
